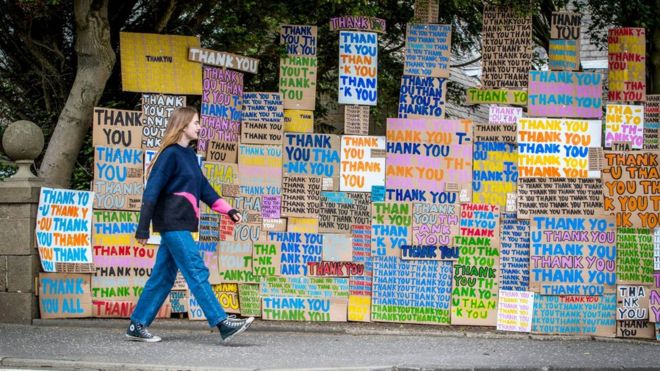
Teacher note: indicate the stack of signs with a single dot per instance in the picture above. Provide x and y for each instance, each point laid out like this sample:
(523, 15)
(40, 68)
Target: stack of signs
(564, 50)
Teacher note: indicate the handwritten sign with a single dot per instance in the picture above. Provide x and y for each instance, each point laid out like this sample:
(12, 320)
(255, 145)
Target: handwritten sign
(432, 230)
(422, 97)
(208, 250)
(652, 122)
(159, 63)
(390, 228)
(506, 47)
(221, 113)
(564, 50)
(495, 172)
(624, 123)
(118, 183)
(260, 169)
(266, 258)
(178, 302)
(304, 309)
(575, 315)
(496, 96)
(335, 268)
(297, 250)
(626, 62)
(565, 94)
(477, 271)
(248, 296)
(356, 119)
(358, 22)
(426, 11)
(298, 121)
(223, 59)
(557, 148)
(490, 132)
(514, 253)
(63, 227)
(64, 295)
(515, 310)
(654, 300)
(298, 69)
(340, 211)
(235, 262)
(572, 255)
(634, 256)
(358, 68)
(156, 111)
(638, 329)
(503, 115)
(337, 248)
(630, 189)
(362, 163)
(301, 196)
(411, 291)
(559, 196)
(318, 287)
(632, 302)
(113, 127)
(428, 49)
(424, 155)
(227, 295)
(311, 155)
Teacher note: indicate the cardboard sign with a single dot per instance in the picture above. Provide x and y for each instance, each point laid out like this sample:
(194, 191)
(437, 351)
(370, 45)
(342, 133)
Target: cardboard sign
(572, 255)
(298, 70)
(564, 55)
(260, 169)
(423, 156)
(298, 121)
(336, 268)
(654, 301)
(514, 253)
(223, 59)
(362, 284)
(156, 112)
(159, 64)
(632, 302)
(358, 68)
(496, 96)
(503, 115)
(297, 250)
(64, 295)
(220, 174)
(495, 172)
(359, 308)
(362, 163)
(422, 97)
(477, 271)
(652, 108)
(235, 262)
(426, 11)
(221, 113)
(248, 296)
(391, 225)
(506, 47)
(121, 286)
(515, 310)
(626, 62)
(559, 196)
(118, 183)
(565, 25)
(114, 244)
(227, 295)
(356, 119)
(428, 50)
(305, 287)
(504, 133)
(304, 309)
(652, 122)
(301, 196)
(178, 302)
(271, 207)
(565, 94)
(575, 315)
(340, 211)
(629, 191)
(411, 291)
(624, 123)
(312, 155)
(432, 230)
(116, 128)
(63, 227)
(357, 22)
(656, 249)
(557, 148)
(337, 248)
(266, 258)
(635, 329)
(302, 225)
(634, 256)
(208, 250)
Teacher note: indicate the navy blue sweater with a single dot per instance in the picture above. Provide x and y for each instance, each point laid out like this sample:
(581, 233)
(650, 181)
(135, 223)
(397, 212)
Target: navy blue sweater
(174, 188)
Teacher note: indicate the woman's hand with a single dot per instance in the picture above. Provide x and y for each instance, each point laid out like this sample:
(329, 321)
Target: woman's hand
(142, 241)
(235, 215)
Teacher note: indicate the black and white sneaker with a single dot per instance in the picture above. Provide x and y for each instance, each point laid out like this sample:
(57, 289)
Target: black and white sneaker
(137, 332)
(233, 326)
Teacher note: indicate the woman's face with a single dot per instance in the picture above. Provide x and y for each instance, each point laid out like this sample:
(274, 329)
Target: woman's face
(191, 131)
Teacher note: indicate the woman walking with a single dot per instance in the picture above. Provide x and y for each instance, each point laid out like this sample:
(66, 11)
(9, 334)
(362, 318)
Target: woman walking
(171, 201)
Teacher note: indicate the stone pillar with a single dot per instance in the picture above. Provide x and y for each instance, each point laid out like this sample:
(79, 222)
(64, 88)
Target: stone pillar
(23, 141)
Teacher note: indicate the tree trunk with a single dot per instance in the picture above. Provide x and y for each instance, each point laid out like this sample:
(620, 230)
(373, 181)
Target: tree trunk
(96, 60)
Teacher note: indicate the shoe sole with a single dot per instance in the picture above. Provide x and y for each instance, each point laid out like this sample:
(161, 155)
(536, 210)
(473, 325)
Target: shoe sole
(135, 338)
(248, 322)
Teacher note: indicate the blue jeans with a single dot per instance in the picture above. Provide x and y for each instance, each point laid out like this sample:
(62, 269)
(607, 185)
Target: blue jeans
(177, 249)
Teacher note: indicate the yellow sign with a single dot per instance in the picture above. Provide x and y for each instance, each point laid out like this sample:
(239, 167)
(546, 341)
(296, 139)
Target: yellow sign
(298, 121)
(153, 63)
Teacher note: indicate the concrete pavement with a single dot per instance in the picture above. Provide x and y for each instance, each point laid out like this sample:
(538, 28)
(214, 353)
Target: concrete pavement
(269, 345)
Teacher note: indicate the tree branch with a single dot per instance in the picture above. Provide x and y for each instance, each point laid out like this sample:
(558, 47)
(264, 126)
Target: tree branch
(466, 63)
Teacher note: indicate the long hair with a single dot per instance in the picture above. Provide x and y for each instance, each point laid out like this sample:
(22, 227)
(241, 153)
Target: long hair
(180, 118)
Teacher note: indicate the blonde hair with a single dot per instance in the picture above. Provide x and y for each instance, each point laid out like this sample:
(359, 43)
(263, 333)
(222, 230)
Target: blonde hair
(180, 118)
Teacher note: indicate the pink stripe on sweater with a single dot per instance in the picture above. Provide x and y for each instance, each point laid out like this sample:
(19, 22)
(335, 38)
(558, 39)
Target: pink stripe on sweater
(192, 199)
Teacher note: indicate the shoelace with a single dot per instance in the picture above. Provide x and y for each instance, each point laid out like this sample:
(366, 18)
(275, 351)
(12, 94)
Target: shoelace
(143, 331)
(232, 321)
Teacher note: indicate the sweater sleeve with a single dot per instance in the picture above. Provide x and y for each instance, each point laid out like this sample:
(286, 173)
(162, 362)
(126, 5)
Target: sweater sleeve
(160, 173)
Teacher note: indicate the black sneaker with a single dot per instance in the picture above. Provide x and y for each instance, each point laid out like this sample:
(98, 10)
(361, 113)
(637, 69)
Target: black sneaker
(138, 332)
(233, 326)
